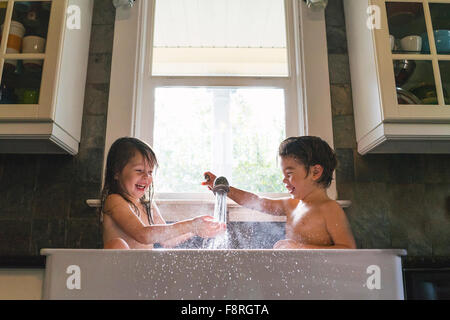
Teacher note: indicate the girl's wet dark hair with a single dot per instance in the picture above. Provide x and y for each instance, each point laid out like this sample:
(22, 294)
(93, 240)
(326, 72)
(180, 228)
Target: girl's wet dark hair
(309, 151)
(120, 153)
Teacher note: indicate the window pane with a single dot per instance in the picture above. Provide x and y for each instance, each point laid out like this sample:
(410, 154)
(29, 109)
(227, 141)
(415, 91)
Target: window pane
(258, 129)
(233, 132)
(182, 138)
(440, 17)
(21, 81)
(220, 38)
(407, 24)
(444, 67)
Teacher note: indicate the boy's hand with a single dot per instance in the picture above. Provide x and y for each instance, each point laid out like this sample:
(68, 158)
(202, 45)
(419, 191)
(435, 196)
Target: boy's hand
(209, 180)
(207, 227)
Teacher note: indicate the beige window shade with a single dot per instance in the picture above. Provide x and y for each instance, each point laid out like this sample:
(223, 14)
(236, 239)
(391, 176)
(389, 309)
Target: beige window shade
(220, 37)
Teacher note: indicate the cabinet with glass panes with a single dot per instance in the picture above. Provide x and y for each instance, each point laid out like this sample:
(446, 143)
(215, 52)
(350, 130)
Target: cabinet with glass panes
(43, 64)
(399, 54)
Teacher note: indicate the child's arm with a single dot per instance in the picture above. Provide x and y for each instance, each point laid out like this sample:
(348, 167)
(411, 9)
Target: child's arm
(158, 219)
(176, 241)
(122, 215)
(250, 200)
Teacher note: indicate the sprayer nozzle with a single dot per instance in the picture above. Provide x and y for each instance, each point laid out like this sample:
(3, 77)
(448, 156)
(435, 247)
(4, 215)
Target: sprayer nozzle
(221, 184)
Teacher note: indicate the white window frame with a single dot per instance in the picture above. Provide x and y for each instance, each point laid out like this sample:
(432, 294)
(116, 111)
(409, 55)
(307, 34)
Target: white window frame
(308, 109)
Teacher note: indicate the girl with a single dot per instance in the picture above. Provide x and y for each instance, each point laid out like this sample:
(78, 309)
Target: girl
(131, 220)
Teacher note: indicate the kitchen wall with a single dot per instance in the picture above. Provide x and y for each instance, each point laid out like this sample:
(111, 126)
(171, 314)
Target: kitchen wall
(398, 201)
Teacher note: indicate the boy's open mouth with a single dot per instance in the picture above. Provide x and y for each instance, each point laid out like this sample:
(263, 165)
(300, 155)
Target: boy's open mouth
(291, 189)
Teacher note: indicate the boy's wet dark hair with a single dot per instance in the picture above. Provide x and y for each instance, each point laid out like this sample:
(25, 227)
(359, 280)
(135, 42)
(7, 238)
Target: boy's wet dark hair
(120, 153)
(309, 151)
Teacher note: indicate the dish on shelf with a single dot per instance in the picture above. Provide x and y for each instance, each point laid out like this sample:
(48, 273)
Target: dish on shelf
(442, 39)
(440, 15)
(428, 94)
(406, 97)
(399, 13)
(403, 69)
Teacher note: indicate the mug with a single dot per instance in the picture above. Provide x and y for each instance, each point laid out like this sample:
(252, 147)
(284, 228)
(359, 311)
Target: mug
(411, 43)
(392, 40)
(16, 32)
(33, 44)
(27, 96)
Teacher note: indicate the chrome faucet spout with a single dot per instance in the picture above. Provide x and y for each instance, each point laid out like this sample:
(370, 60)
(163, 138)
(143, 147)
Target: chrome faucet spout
(221, 185)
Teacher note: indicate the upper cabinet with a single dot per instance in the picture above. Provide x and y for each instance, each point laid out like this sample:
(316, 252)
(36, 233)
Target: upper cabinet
(399, 53)
(43, 65)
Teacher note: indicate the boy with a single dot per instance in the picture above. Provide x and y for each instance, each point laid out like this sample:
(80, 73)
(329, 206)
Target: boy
(314, 221)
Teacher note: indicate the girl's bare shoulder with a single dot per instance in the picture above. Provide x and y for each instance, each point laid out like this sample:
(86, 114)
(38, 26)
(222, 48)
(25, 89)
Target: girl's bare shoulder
(112, 201)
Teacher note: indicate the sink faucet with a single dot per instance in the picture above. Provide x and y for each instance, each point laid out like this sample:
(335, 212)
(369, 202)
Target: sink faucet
(221, 185)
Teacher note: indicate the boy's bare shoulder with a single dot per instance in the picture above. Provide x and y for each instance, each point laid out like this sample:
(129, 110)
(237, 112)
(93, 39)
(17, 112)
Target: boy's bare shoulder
(330, 208)
(290, 204)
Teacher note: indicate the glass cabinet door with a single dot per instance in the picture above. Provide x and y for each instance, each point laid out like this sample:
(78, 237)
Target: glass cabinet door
(420, 43)
(24, 29)
(440, 18)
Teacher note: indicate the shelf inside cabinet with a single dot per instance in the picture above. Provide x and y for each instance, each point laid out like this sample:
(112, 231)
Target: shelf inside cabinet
(43, 67)
(24, 56)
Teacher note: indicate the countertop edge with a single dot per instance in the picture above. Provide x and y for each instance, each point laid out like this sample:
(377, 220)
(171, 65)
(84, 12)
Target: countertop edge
(399, 252)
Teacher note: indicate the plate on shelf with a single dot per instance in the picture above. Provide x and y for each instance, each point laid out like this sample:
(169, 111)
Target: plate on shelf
(399, 13)
(427, 93)
(403, 69)
(406, 97)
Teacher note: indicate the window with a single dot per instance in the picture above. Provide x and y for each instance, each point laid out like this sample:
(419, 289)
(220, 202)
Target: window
(224, 130)
(272, 51)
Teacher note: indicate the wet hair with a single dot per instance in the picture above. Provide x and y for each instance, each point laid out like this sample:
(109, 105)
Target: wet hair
(310, 151)
(120, 153)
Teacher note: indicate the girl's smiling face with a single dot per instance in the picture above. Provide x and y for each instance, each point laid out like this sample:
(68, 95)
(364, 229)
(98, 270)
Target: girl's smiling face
(297, 181)
(136, 177)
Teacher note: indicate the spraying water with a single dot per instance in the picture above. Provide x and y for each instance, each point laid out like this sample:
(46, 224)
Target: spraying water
(220, 189)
